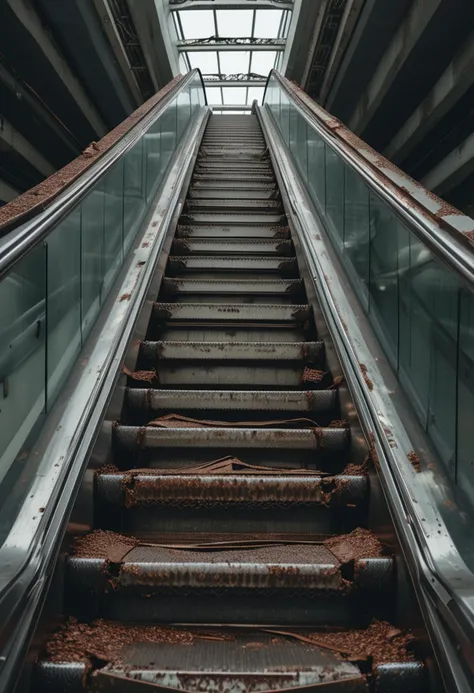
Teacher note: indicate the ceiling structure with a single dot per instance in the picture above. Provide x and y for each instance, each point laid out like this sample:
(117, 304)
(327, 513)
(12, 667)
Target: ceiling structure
(235, 44)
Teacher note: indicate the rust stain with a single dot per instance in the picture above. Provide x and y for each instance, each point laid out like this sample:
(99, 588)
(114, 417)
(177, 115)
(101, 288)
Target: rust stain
(414, 461)
(368, 381)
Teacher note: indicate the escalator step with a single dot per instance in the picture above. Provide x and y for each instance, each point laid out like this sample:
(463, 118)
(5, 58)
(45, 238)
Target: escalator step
(295, 315)
(303, 402)
(231, 246)
(261, 287)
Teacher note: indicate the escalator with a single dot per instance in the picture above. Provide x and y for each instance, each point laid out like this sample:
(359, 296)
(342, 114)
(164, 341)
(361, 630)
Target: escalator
(233, 518)
(232, 496)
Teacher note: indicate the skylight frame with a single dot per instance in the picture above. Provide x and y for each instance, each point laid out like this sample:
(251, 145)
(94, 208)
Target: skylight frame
(236, 78)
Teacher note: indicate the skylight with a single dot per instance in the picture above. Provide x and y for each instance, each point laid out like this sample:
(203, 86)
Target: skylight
(235, 49)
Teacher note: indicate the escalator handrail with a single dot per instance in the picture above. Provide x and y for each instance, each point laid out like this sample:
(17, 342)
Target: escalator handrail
(442, 230)
(17, 243)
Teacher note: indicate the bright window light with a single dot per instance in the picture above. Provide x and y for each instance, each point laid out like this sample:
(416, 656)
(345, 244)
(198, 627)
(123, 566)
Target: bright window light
(267, 23)
(263, 61)
(235, 95)
(214, 95)
(234, 62)
(234, 23)
(205, 61)
(197, 24)
(255, 93)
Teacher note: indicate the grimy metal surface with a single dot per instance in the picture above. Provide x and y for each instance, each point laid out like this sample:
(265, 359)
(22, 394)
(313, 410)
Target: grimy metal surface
(233, 495)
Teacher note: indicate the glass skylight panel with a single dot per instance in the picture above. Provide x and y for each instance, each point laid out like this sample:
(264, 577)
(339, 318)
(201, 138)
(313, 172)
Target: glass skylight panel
(214, 95)
(197, 24)
(234, 62)
(263, 61)
(206, 61)
(234, 95)
(255, 93)
(234, 23)
(267, 23)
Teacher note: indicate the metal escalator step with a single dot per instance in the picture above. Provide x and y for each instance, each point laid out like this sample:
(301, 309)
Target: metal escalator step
(154, 488)
(218, 375)
(257, 218)
(285, 267)
(153, 353)
(273, 567)
(277, 583)
(227, 332)
(228, 165)
(233, 231)
(229, 287)
(216, 192)
(229, 667)
(217, 659)
(277, 501)
(149, 402)
(233, 144)
(228, 205)
(331, 441)
(236, 178)
(296, 315)
(231, 246)
(243, 154)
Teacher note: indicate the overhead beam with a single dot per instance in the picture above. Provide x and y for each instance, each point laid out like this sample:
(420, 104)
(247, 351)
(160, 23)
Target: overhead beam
(451, 86)
(230, 5)
(375, 28)
(235, 82)
(7, 193)
(39, 109)
(110, 30)
(314, 41)
(226, 44)
(26, 14)
(15, 140)
(154, 27)
(453, 169)
(392, 62)
(349, 20)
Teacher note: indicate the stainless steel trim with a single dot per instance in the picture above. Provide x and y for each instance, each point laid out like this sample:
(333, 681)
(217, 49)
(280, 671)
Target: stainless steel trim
(20, 241)
(445, 238)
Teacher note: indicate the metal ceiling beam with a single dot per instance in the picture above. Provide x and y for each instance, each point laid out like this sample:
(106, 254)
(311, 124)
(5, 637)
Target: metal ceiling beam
(10, 137)
(453, 169)
(235, 82)
(396, 57)
(227, 44)
(28, 96)
(451, 86)
(32, 23)
(110, 29)
(7, 193)
(230, 5)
